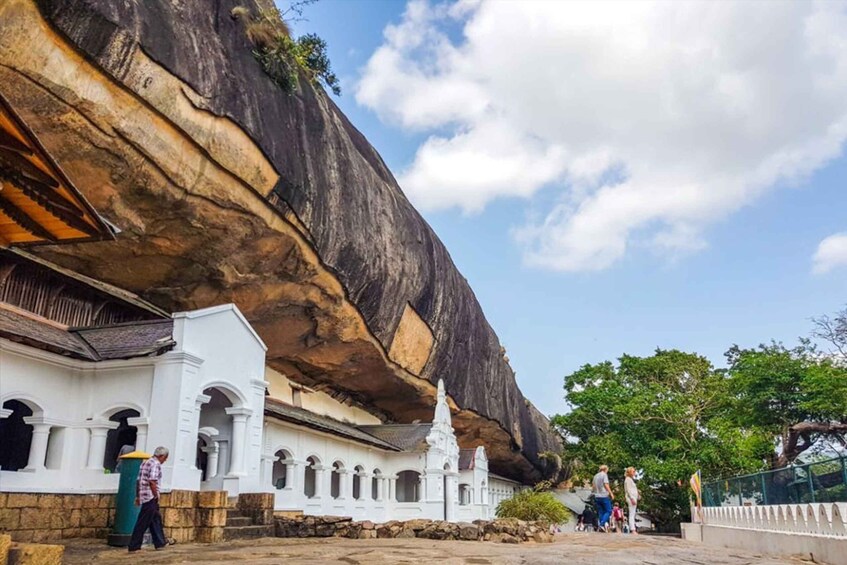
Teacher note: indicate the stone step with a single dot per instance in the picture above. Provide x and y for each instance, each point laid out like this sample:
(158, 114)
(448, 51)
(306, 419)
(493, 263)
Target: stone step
(248, 532)
(232, 502)
(238, 521)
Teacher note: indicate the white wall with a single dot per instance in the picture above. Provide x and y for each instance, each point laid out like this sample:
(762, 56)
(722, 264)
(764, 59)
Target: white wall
(279, 387)
(73, 399)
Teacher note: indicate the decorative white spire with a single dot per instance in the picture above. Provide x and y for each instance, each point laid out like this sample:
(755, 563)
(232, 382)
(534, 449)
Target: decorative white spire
(442, 409)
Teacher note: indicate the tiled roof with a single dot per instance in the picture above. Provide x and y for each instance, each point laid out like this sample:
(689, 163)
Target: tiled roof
(466, 459)
(40, 334)
(303, 417)
(131, 339)
(406, 437)
(120, 341)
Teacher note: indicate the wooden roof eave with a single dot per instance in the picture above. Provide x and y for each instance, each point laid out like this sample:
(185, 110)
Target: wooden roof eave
(102, 230)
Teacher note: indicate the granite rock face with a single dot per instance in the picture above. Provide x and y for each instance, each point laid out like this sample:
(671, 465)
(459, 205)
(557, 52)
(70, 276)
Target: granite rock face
(227, 189)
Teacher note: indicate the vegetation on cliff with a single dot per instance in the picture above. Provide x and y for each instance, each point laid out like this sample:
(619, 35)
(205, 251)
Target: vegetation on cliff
(282, 57)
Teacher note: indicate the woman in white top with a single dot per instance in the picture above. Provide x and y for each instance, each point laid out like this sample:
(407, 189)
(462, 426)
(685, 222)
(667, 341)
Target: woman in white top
(632, 496)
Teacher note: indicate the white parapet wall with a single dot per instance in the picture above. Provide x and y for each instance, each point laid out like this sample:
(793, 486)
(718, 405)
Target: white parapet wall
(816, 530)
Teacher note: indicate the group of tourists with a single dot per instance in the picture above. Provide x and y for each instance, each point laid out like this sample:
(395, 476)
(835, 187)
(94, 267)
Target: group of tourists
(610, 516)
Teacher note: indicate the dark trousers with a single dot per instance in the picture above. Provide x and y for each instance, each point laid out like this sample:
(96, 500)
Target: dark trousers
(604, 509)
(149, 517)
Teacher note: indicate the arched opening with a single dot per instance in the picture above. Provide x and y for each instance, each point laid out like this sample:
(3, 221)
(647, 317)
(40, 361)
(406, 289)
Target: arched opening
(122, 439)
(357, 482)
(335, 479)
(282, 469)
(217, 445)
(464, 494)
(15, 436)
(309, 485)
(408, 486)
(376, 483)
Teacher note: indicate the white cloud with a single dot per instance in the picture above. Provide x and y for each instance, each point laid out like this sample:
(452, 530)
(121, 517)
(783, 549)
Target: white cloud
(653, 119)
(831, 253)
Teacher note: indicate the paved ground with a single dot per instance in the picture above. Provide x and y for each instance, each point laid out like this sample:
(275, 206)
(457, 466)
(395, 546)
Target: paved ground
(568, 548)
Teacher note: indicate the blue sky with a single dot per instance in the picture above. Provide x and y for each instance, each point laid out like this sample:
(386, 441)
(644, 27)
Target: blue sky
(577, 262)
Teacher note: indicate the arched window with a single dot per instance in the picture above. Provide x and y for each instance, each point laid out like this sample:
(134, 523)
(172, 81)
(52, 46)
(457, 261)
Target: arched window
(377, 477)
(357, 482)
(280, 469)
(335, 482)
(408, 486)
(15, 436)
(309, 483)
(464, 494)
(123, 435)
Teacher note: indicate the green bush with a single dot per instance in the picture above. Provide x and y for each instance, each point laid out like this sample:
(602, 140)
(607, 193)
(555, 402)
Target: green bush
(532, 504)
(283, 58)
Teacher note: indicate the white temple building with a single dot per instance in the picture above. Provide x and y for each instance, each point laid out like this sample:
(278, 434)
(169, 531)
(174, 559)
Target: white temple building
(86, 369)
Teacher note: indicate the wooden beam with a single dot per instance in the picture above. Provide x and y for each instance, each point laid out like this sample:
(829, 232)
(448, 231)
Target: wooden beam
(39, 190)
(16, 162)
(9, 141)
(23, 220)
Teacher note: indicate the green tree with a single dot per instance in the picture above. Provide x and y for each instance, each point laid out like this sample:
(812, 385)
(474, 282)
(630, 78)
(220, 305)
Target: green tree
(792, 399)
(661, 414)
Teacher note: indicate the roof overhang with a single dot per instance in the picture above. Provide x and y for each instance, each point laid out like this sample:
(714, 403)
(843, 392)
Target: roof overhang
(38, 202)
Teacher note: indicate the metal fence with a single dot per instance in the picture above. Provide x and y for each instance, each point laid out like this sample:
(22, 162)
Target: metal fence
(821, 481)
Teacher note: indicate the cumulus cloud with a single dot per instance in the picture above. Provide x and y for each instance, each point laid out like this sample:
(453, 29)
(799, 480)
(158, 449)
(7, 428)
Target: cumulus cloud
(653, 120)
(831, 253)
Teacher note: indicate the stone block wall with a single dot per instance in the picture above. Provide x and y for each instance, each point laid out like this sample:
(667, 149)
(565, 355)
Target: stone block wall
(187, 515)
(41, 518)
(194, 516)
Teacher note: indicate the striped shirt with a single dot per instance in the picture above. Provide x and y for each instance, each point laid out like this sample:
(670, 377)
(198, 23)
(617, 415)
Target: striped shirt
(151, 470)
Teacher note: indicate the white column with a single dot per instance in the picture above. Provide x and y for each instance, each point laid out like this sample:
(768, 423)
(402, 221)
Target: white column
(365, 486)
(380, 487)
(422, 487)
(239, 439)
(38, 447)
(140, 432)
(97, 446)
(211, 452)
(290, 464)
(343, 477)
(392, 489)
(319, 480)
(198, 407)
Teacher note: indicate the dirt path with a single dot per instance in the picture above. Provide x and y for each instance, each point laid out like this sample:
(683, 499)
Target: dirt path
(568, 548)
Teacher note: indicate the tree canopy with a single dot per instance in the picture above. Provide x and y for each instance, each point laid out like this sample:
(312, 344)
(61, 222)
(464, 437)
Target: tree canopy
(652, 413)
(673, 413)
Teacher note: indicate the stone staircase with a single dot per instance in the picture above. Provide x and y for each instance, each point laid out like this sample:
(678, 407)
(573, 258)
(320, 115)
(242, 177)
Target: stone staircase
(244, 524)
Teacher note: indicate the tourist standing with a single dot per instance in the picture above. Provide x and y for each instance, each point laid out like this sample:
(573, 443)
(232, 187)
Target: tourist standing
(603, 496)
(147, 496)
(632, 496)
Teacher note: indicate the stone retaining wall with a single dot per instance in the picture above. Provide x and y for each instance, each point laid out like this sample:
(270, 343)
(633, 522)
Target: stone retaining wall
(40, 518)
(187, 515)
(500, 530)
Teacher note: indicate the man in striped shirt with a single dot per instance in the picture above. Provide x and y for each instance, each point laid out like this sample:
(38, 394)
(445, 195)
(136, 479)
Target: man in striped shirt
(147, 496)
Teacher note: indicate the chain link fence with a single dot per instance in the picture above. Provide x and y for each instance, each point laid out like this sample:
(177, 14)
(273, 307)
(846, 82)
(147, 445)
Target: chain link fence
(821, 481)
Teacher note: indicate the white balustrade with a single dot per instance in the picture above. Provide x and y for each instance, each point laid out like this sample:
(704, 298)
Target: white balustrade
(821, 518)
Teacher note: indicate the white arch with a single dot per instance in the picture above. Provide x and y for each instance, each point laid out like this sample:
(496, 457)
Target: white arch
(285, 449)
(208, 432)
(235, 396)
(115, 408)
(30, 401)
(341, 464)
(317, 459)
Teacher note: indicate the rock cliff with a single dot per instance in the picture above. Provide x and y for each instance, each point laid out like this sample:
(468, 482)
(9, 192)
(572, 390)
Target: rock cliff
(227, 189)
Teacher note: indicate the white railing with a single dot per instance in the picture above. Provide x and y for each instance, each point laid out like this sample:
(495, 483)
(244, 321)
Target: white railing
(821, 518)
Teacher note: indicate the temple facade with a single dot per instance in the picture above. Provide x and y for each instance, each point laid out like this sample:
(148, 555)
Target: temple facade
(88, 371)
